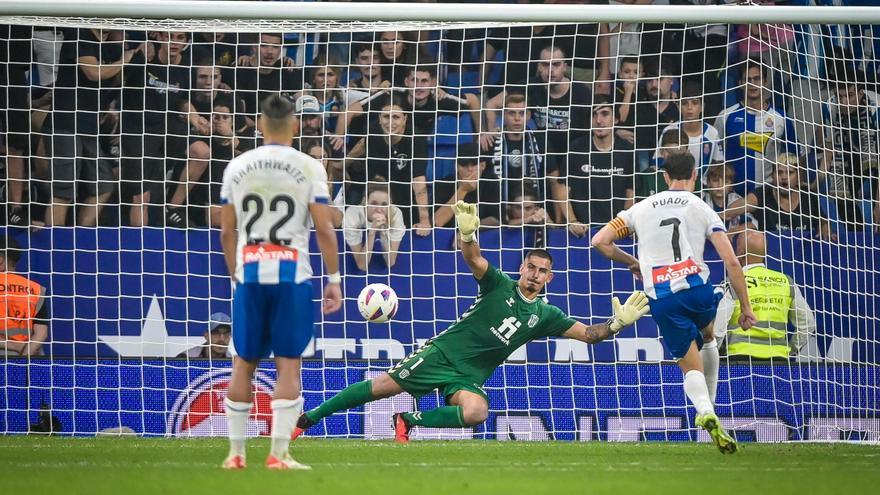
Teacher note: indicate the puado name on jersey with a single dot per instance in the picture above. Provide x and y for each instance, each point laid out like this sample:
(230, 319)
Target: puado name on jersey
(669, 273)
(670, 200)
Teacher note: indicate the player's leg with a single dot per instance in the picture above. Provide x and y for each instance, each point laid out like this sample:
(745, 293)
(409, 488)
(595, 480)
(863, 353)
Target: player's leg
(251, 342)
(238, 404)
(292, 329)
(354, 395)
(466, 408)
(711, 360)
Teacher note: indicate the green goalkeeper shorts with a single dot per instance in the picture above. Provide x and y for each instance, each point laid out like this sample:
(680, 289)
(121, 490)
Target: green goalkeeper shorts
(428, 369)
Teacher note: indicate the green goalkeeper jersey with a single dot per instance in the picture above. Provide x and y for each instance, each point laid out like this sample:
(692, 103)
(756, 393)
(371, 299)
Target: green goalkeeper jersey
(499, 321)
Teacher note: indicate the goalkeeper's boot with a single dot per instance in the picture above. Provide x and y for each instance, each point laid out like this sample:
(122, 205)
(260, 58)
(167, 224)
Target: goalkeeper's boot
(234, 461)
(401, 428)
(302, 424)
(285, 463)
(725, 443)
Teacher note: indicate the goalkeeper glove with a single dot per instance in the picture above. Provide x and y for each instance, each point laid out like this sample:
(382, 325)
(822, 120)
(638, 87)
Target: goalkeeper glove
(634, 308)
(467, 220)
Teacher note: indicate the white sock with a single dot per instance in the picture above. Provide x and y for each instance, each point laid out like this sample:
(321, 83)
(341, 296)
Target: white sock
(709, 353)
(237, 414)
(697, 392)
(285, 412)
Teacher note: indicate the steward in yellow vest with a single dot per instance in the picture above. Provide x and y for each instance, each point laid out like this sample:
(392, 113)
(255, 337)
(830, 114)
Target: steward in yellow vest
(776, 302)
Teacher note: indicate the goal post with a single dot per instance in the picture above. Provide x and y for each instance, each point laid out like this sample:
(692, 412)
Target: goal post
(778, 106)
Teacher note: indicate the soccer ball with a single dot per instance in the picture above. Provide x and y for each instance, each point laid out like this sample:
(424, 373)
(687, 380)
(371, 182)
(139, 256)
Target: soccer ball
(377, 303)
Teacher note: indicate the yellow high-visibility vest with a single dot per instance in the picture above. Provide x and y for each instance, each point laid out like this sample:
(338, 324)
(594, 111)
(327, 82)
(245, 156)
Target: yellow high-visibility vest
(770, 296)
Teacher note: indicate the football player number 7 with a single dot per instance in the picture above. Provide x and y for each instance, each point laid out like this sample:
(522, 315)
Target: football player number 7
(676, 246)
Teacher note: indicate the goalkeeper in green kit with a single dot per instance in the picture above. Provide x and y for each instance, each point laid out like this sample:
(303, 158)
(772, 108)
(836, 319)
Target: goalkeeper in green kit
(506, 314)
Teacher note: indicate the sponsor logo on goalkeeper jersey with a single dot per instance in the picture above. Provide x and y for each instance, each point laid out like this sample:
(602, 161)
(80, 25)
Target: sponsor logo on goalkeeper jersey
(268, 252)
(199, 411)
(663, 274)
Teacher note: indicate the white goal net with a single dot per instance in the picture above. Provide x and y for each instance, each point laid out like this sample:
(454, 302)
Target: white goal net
(116, 132)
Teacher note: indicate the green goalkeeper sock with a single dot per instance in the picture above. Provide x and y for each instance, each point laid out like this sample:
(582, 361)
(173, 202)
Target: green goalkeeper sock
(351, 396)
(442, 417)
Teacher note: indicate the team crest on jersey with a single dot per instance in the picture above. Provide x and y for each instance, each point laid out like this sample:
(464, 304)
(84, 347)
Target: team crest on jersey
(199, 409)
(533, 320)
(663, 274)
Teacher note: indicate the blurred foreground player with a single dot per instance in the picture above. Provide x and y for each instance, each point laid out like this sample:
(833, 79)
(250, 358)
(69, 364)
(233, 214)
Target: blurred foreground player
(672, 228)
(506, 314)
(269, 195)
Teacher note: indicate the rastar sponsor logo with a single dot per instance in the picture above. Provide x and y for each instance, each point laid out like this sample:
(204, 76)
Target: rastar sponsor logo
(268, 252)
(672, 272)
(199, 410)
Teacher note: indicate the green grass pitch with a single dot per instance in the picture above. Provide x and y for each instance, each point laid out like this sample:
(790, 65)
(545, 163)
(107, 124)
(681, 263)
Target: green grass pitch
(130, 466)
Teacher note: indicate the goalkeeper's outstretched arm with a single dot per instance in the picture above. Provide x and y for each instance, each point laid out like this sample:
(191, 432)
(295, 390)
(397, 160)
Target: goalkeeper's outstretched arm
(625, 315)
(468, 222)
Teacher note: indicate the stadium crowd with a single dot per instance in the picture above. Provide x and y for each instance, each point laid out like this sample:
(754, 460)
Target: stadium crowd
(558, 126)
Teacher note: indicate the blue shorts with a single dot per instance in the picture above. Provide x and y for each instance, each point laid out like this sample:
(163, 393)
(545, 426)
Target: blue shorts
(681, 317)
(272, 318)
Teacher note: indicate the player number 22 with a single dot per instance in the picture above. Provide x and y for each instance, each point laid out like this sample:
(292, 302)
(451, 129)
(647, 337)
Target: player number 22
(676, 245)
(256, 202)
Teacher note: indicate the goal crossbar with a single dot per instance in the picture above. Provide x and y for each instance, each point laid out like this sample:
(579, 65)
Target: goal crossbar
(383, 12)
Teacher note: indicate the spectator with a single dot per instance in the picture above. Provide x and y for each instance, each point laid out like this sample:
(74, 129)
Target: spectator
(719, 194)
(217, 337)
(651, 181)
(397, 157)
(320, 151)
(24, 309)
(753, 132)
(398, 52)
(427, 102)
(784, 205)
(849, 166)
(704, 48)
(517, 156)
(636, 112)
(338, 105)
(776, 301)
(376, 220)
(473, 184)
(703, 141)
(89, 65)
(367, 70)
(599, 169)
(264, 72)
(659, 87)
(559, 105)
(218, 47)
(524, 209)
(202, 190)
(17, 52)
(156, 118)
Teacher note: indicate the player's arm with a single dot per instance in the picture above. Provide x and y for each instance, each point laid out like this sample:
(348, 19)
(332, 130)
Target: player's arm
(735, 276)
(327, 244)
(625, 315)
(604, 242)
(468, 222)
(229, 236)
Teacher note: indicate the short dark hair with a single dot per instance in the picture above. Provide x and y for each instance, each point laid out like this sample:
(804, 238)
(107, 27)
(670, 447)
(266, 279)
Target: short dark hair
(430, 69)
(674, 139)
(468, 153)
(540, 253)
(602, 100)
(691, 89)
(628, 60)
(223, 100)
(10, 249)
(679, 166)
(756, 64)
(276, 111)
